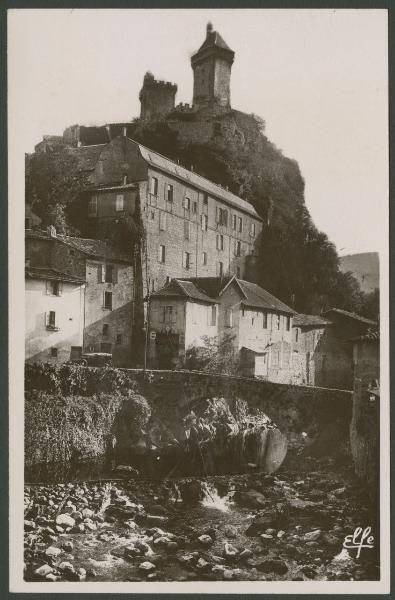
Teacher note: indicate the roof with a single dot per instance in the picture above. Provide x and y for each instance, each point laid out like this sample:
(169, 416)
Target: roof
(182, 289)
(371, 336)
(90, 247)
(214, 40)
(350, 315)
(162, 163)
(253, 295)
(302, 320)
(51, 274)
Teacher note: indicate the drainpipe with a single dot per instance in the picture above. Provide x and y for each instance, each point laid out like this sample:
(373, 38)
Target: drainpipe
(146, 330)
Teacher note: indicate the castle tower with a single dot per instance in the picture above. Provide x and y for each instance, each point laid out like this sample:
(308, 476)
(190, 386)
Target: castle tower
(157, 97)
(211, 66)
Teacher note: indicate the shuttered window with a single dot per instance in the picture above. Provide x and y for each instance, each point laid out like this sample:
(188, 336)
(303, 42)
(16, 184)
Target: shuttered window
(162, 221)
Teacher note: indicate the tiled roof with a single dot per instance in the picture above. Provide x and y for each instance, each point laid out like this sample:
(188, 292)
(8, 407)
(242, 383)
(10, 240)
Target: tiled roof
(254, 295)
(371, 336)
(260, 298)
(168, 166)
(90, 247)
(182, 289)
(301, 320)
(350, 315)
(51, 274)
(214, 39)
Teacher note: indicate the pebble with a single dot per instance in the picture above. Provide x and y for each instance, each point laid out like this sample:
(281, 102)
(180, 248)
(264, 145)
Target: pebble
(312, 536)
(205, 540)
(53, 552)
(43, 571)
(230, 551)
(147, 566)
(65, 520)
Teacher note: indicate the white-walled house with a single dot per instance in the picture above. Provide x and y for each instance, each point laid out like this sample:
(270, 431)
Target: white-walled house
(259, 324)
(54, 315)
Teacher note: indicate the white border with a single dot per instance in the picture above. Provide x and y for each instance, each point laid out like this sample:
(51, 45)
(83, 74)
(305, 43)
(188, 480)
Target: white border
(18, 102)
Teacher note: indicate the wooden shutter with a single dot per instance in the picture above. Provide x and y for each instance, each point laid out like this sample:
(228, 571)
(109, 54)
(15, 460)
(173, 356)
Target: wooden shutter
(100, 274)
(48, 290)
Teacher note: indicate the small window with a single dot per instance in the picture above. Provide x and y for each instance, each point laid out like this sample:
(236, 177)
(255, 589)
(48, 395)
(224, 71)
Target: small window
(92, 207)
(186, 260)
(105, 347)
(154, 186)
(109, 273)
(162, 221)
(213, 315)
(240, 223)
(72, 252)
(277, 321)
(55, 288)
(119, 202)
(222, 216)
(220, 269)
(204, 258)
(108, 300)
(287, 323)
(228, 317)
(161, 254)
(220, 242)
(169, 192)
(252, 229)
(204, 222)
(296, 334)
(187, 203)
(152, 215)
(167, 314)
(237, 248)
(234, 222)
(106, 329)
(54, 352)
(167, 279)
(264, 320)
(119, 339)
(187, 230)
(194, 207)
(51, 320)
(238, 272)
(205, 200)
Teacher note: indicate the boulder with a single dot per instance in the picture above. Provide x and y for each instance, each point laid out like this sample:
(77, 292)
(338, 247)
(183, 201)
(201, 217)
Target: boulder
(53, 551)
(43, 571)
(205, 540)
(147, 566)
(65, 520)
(312, 536)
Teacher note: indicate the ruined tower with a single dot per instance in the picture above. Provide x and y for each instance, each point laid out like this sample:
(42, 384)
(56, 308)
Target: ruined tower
(157, 97)
(211, 66)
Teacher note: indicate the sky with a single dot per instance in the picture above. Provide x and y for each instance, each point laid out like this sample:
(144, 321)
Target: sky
(317, 77)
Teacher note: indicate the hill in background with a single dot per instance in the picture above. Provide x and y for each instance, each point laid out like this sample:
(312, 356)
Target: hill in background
(365, 269)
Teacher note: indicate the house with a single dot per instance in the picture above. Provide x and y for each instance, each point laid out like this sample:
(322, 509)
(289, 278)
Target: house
(349, 324)
(193, 227)
(108, 292)
(320, 357)
(366, 360)
(259, 325)
(55, 304)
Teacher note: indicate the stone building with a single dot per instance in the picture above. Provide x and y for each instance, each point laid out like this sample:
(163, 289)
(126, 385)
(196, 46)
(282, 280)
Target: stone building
(157, 97)
(192, 227)
(366, 360)
(186, 311)
(108, 290)
(54, 315)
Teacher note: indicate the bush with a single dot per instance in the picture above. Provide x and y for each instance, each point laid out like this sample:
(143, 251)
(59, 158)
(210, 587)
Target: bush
(213, 357)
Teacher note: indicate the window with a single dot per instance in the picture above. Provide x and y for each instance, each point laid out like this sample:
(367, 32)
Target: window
(264, 320)
(234, 222)
(105, 347)
(228, 317)
(213, 315)
(204, 222)
(51, 320)
(238, 272)
(204, 258)
(167, 314)
(54, 352)
(186, 260)
(162, 221)
(154, 186)
(54, 288)
(276, 321)
(187, 230)
(187, 203)
(287, 323)
(109, 273)
(222, 216)
(220, 269)
(161, 254)
(92, 207)
(194, 207)
(108, 300)
(220, 242)
(119, 202)
(152, 215)
(240, 222)
(106, 329)
(252, 229)
(119, 338)
(237, 248)
(169, 192)
(167, 279)
(205, 200)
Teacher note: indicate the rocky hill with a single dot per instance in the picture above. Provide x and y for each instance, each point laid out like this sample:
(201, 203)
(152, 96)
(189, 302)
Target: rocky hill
(364, 267)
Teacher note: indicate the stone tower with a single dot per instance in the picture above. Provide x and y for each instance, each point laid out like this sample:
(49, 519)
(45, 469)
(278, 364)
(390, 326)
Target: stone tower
(211, 66)
(157, 97)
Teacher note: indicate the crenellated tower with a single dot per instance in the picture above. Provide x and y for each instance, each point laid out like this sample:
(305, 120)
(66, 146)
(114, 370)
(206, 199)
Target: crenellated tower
(157, 97)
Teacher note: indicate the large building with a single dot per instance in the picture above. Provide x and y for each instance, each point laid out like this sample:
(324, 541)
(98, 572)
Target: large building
(107, 295)
(186, 312)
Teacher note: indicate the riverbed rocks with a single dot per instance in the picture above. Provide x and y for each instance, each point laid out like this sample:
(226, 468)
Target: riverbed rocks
(264, 528)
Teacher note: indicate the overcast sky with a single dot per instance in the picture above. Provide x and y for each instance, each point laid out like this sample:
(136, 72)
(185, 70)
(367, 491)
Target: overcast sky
(317, 77)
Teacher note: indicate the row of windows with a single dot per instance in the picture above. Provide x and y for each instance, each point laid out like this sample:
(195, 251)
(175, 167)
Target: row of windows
(107, 274)
(271, 321)
(168, 315)
(187, 261)
(222, 214)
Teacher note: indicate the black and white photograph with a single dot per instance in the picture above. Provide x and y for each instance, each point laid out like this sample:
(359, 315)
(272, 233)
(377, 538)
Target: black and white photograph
(199, 314)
